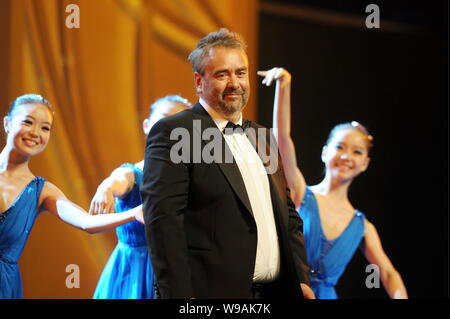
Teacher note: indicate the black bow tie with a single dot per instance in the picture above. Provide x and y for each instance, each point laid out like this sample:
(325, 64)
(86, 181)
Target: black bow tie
(231, 128)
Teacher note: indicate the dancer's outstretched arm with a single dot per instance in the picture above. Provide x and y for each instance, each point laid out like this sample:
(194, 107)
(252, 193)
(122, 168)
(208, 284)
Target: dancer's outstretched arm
(54, 201)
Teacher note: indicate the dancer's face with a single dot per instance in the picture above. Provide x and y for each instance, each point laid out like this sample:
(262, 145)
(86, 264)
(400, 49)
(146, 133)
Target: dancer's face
(224, 84)
(28, 128)
(346, 155)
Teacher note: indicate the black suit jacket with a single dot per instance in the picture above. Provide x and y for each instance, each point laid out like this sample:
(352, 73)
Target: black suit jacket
(199, 224)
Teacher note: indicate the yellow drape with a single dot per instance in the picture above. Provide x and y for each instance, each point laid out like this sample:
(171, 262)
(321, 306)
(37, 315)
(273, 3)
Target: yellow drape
(100, 79)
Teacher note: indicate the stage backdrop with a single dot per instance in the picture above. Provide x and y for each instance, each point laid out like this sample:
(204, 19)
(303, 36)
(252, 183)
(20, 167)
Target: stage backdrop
(100, 78)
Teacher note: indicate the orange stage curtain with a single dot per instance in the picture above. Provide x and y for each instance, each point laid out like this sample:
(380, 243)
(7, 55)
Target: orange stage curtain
(100, 79)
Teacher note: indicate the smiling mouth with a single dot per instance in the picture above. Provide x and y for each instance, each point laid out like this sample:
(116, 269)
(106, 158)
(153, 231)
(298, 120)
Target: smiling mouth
(232, 96)
(343, 166)
(30, 143)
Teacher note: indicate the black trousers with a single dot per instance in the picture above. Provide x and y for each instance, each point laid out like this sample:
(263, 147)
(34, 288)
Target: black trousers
(259, 290)
(264, 290)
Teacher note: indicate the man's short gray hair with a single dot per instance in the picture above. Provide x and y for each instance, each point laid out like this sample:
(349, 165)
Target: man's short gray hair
(223, 38)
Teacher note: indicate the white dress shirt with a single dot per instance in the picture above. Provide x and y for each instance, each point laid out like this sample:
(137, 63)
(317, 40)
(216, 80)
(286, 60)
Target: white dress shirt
(267, 265)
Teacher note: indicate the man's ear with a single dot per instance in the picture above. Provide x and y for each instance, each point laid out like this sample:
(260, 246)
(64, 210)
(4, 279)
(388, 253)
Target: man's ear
(198, 83)
(146, 126)
(324, 153)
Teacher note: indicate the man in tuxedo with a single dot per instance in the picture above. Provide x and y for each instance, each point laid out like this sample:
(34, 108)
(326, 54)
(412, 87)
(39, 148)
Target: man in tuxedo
(219, 229)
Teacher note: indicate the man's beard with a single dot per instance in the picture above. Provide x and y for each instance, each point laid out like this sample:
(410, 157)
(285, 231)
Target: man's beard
(235, 106)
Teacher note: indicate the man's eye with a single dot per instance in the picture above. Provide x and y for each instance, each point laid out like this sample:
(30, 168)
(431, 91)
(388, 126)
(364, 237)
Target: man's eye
(46, 128)
(358, 152)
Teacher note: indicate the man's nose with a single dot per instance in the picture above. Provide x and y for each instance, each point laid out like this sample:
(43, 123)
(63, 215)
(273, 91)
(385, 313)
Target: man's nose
(233, 82)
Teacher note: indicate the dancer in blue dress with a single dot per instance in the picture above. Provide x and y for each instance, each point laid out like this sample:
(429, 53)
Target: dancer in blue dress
(333, 228)
(327, 258)
(24, 196)
(128, 273)
(15, 226)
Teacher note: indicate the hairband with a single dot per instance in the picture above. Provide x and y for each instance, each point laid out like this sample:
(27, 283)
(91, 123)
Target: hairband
(357, 125)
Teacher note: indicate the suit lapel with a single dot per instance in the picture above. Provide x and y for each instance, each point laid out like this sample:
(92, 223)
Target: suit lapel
(276, 179)
(229, 170)
(233, 175)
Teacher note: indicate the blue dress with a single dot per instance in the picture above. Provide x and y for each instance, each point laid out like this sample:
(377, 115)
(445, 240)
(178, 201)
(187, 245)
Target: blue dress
(15, 227)
(128, 273)
(327, 258)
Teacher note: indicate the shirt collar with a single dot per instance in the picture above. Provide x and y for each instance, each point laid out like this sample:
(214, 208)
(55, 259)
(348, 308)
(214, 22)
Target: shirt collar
(220, 123)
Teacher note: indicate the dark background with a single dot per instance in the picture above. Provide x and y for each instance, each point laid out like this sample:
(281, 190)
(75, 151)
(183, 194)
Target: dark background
(396, 84)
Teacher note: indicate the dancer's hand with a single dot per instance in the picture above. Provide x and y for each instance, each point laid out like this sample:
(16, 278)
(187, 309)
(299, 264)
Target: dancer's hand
(103, 201)
(275, 74)
(140, 215)
(307, 292)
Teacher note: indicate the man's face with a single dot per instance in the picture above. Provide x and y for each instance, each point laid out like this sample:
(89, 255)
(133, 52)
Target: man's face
(224, 84)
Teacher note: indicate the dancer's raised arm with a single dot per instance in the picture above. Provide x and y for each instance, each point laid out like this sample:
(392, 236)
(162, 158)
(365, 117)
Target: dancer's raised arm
(282, 127)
